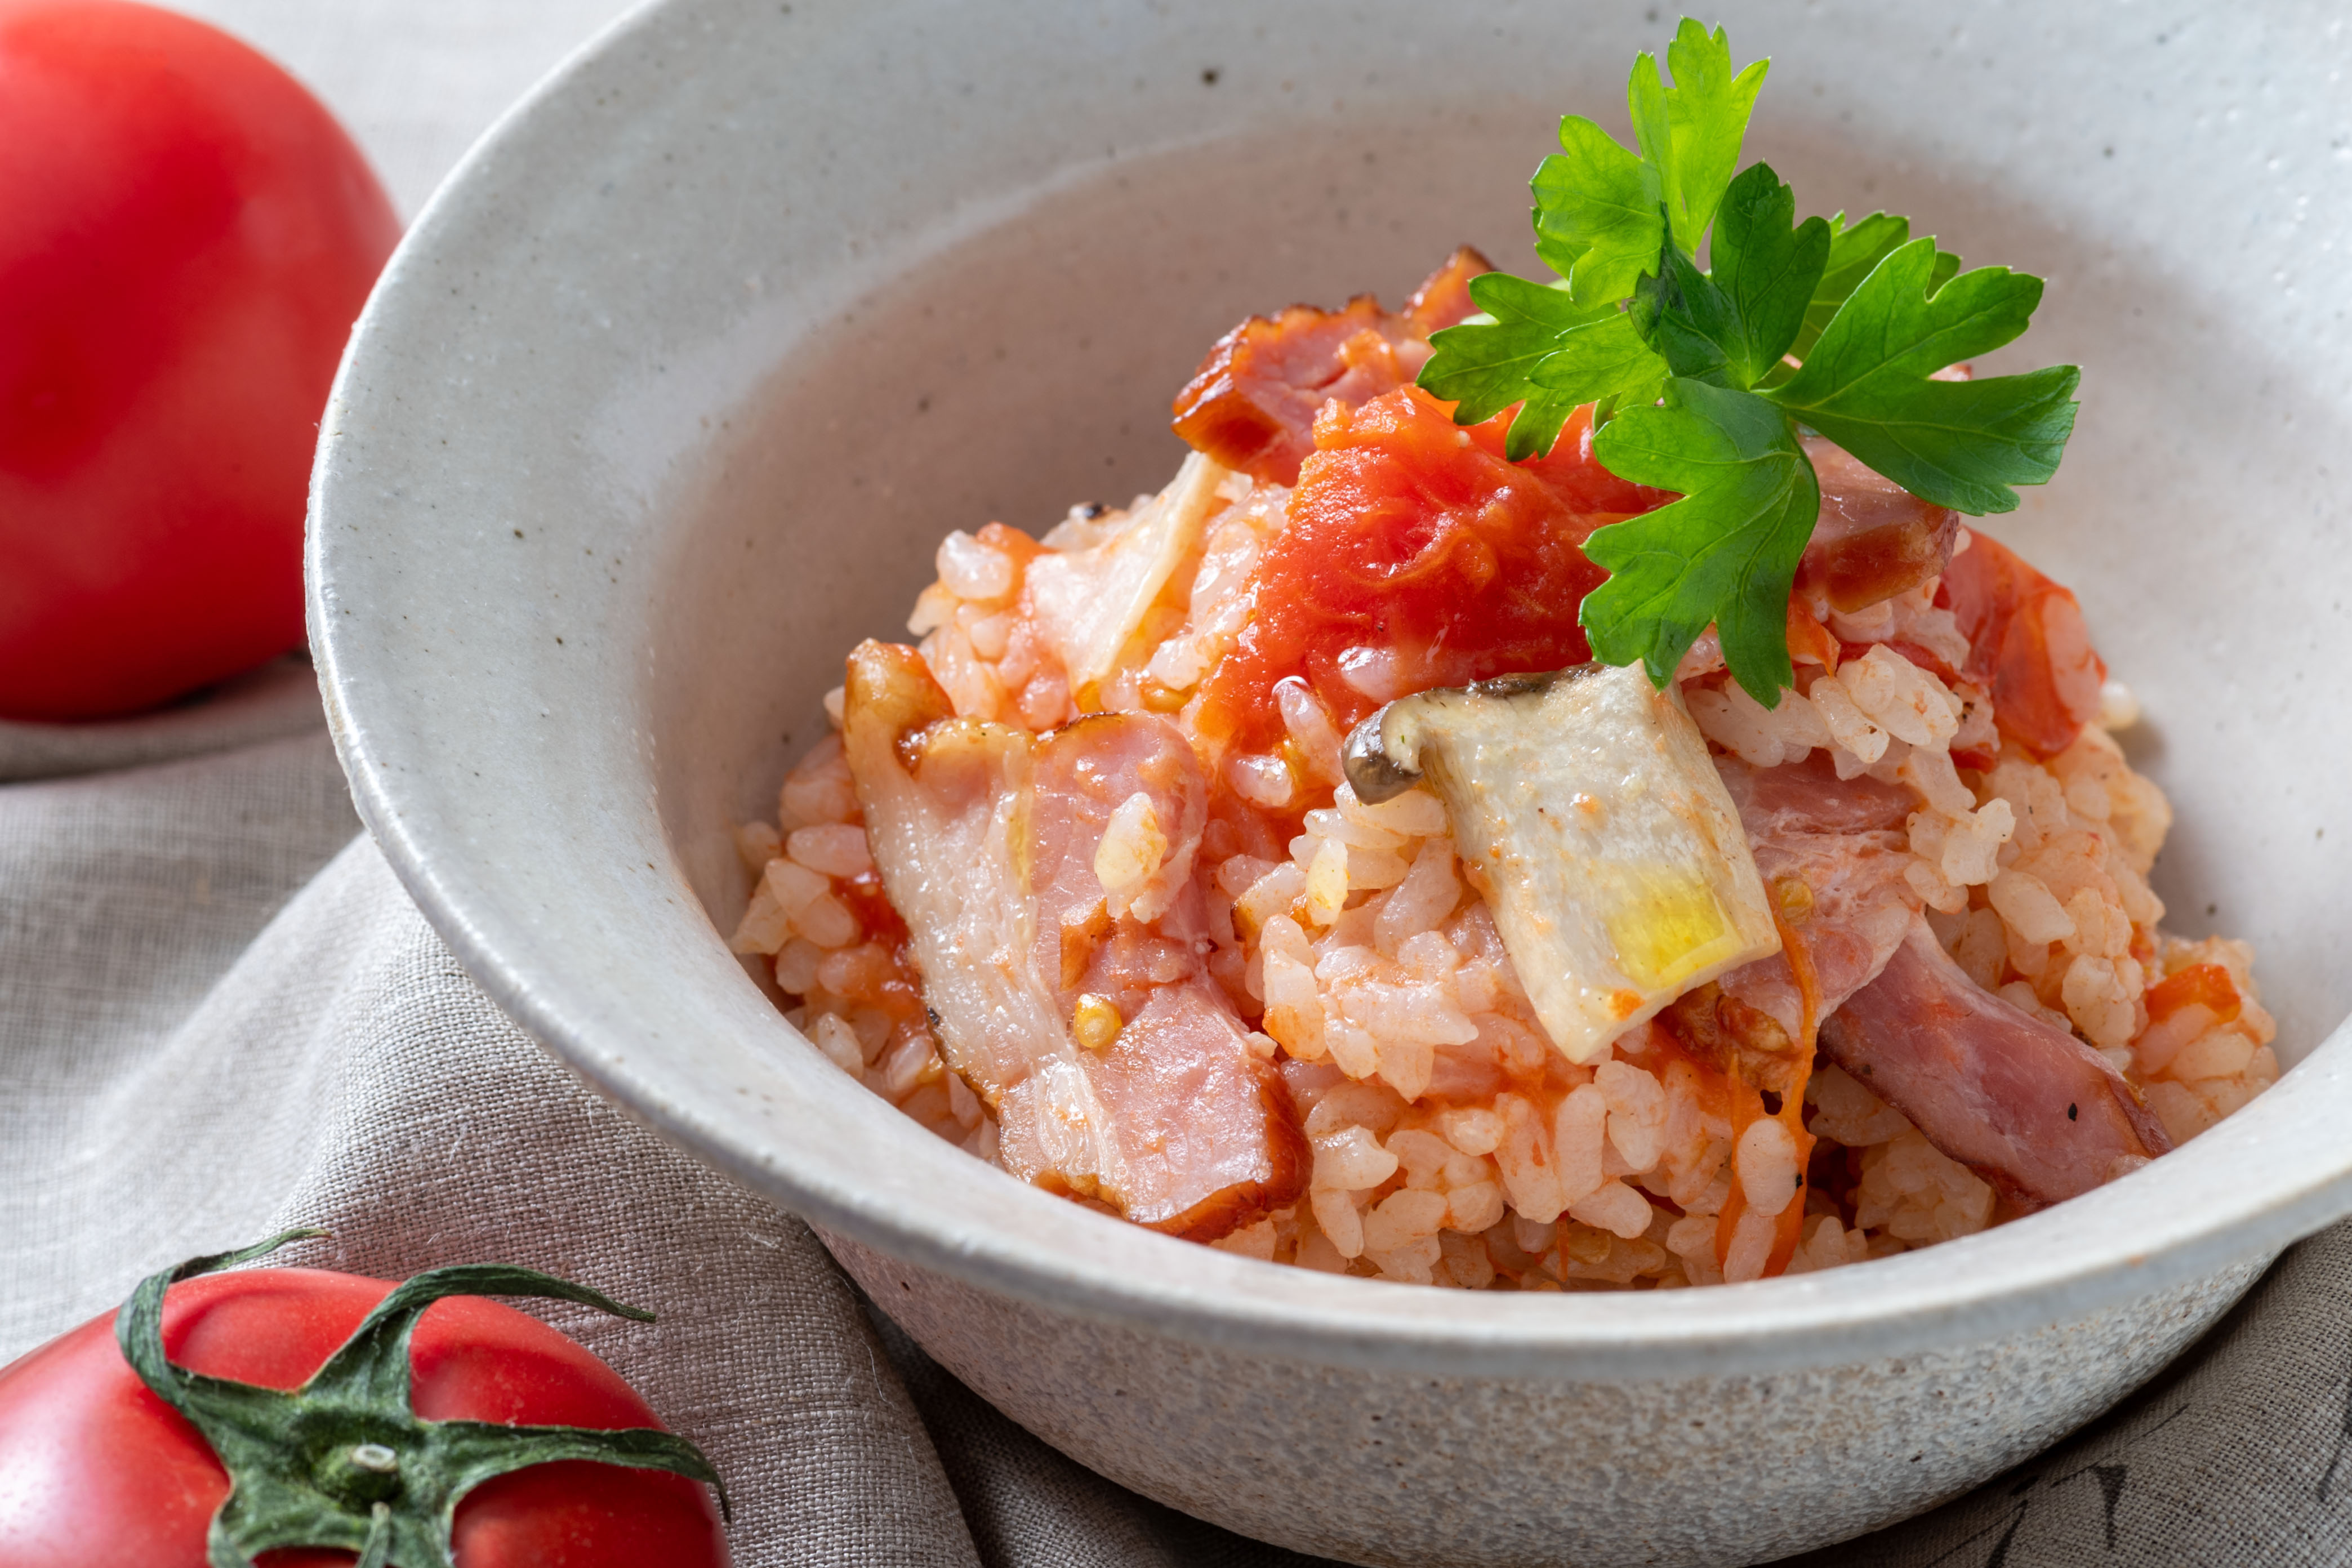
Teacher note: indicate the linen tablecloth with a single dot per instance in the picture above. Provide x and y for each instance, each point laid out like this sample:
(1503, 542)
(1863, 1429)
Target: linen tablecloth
(220, 1016)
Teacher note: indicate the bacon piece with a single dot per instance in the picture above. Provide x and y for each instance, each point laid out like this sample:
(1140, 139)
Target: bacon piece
(2021, 1101)
(1251, 404)
(1807, 797)
(1204, 1129)
(1873, 540)
(1086, 772)
(987, 841)
(2027, 645)
(944, 802)
(1832, 852)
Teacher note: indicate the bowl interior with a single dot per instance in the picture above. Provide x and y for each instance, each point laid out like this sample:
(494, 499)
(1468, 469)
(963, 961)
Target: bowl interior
(672, 393)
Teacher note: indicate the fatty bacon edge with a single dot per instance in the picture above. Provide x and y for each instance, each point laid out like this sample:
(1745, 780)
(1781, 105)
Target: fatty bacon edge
(1251, 405)
(2031, 1109)
(994, 845)
(2022, 1102)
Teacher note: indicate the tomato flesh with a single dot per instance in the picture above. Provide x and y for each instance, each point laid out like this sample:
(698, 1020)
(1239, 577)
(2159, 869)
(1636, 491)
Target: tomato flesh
(102, 1473)
(2028, 644)
(2206, 984)
(1412, 544)
(185, 237)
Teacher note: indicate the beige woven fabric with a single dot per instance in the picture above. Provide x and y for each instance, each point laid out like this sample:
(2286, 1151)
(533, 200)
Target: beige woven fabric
(185, 1064)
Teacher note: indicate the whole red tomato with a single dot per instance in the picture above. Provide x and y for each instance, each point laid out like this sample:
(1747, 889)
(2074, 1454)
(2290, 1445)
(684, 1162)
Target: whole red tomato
(185, 237)
(96, 1471)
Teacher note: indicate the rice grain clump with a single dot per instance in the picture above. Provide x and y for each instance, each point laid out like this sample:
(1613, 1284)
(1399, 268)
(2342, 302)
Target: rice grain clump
(1451, 1144)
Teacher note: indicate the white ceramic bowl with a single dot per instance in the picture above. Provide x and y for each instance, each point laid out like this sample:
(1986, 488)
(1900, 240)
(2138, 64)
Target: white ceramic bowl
(670, 393)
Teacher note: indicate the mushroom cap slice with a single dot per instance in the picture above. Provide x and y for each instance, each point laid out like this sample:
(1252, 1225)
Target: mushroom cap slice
(1598, 829)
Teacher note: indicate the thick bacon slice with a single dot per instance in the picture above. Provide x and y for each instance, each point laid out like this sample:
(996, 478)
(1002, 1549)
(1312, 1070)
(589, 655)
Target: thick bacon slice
(1831, 853)
(987, 841)
(1251, 404)
(1206, 1137)
(942, 798)
(2022, 1102)
(1875, 538)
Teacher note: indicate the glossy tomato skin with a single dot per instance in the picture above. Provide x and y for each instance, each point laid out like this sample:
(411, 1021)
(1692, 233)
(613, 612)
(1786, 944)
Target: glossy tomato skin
(185, 238)
(1418, 540)
(97, 1472)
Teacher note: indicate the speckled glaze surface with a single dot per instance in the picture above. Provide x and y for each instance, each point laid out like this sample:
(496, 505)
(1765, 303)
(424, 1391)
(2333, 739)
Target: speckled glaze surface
(676, 384)
(1397, 1467)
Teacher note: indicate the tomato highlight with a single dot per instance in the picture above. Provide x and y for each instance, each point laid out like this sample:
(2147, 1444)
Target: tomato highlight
(185, 238)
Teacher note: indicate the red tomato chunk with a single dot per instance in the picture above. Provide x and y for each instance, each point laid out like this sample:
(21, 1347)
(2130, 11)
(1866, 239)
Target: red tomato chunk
(1417, 555)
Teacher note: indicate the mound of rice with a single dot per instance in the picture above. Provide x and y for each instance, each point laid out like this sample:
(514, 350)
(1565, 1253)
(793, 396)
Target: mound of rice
(1453, 1145)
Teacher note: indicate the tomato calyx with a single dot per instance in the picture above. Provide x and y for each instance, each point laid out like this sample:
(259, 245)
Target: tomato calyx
(344, 1461)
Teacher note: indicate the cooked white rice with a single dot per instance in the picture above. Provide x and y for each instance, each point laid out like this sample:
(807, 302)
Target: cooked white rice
(1379, 975)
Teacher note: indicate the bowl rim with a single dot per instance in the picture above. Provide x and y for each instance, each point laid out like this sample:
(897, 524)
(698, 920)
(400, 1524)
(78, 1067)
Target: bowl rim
(1970, 1291)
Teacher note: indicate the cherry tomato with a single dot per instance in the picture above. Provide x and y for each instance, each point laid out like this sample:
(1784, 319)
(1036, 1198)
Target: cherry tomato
(97, 1472)
(185, 237)
(1417, 555)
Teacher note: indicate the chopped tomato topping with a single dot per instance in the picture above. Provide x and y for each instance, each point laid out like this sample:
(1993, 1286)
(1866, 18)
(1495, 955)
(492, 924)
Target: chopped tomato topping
(2208, 984)
(1810, 642)
(1417, 555)
(2027, 645)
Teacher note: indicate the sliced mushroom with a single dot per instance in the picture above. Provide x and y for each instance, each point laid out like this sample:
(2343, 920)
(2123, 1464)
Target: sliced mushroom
(1598, 829)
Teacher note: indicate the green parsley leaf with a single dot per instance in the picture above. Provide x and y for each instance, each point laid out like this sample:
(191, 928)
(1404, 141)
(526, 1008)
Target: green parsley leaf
(1535, 427)
(1535, 344)
(1871, 313)
(1606, 358)
(1598, 221)
(1961, 444)
(1691, 133)
(1767, 264)
(1726, 553)
(1731, 325)
(1690, 319)
(1483, 364)
(1855, 250)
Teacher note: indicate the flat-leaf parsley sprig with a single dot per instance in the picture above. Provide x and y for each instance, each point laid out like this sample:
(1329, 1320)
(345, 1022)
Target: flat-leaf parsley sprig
(1703, 379)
